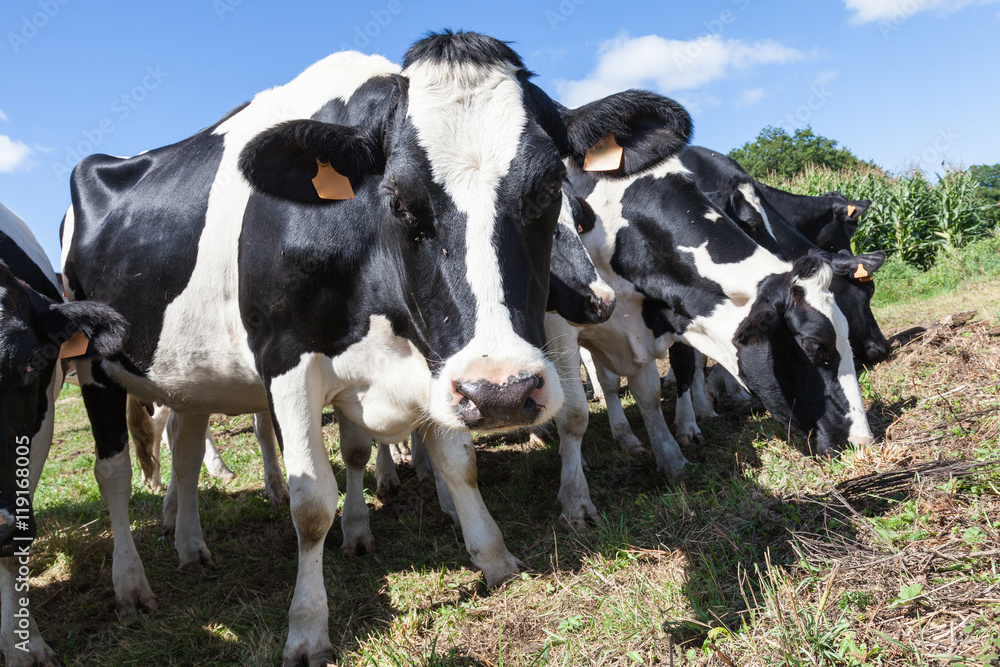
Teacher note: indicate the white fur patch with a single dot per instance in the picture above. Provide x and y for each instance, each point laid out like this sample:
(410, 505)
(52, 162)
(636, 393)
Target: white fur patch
(751, 197)
(713, 334)
(203, 361)
(13, 226)
(818, 295)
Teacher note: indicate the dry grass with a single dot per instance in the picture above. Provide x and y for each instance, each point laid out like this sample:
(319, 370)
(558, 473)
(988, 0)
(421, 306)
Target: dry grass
(886, 555)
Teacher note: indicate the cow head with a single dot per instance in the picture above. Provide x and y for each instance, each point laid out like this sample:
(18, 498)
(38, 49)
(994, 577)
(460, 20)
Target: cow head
(32, 329)
(460, 170)
(576, 292)
(853, 288)
(852, 284)
(841, 221)
(793, 354)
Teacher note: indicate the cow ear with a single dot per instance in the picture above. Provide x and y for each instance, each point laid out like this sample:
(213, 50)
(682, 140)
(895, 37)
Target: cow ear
(285, 159)
(100, 324)
(857, 266)
(649, 128)
(759, 325)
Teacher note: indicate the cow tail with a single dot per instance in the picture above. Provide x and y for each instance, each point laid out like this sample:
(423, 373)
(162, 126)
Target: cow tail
(140, 426)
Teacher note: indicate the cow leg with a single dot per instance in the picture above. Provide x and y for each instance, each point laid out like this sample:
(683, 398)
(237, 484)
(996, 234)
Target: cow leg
(186, 432)
(620, 429)
(588, 363)
(572, 420)
(356, 450)
(454, 458)
(419, 459)
(426, 471)
(645, 387)
(213, 460)
(385, 471)
(682, 360)
(298, 418)
(20, 641)
(105, 402)
(699, 392)
(274, 480)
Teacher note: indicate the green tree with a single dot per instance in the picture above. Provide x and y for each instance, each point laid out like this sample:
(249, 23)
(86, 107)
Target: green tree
(777, 154)
(987, 178)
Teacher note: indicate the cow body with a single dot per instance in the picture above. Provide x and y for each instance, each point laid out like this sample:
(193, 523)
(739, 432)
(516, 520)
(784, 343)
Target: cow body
(682, 271)
(417, 304)
(34, 322)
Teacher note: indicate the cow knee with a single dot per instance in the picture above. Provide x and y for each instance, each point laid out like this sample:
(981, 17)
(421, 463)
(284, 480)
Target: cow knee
(313, 518)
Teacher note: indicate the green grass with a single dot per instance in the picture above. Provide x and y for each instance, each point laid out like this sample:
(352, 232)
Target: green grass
(749, 559)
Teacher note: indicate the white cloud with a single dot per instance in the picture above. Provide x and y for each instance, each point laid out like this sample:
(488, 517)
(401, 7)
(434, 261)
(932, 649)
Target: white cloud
(13, 154)
(3, 116)
(750, 97)
(866, 11)
(669, 65)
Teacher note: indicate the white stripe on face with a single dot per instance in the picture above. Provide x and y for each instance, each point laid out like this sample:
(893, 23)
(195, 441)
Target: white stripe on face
(818, 295)
(751, 198)
(469, 121)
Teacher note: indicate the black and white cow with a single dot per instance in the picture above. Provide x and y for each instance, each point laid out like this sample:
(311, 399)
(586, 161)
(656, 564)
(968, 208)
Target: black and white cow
(828, 220)
(34, 323)
(683, 271)
(417, 304)
(795, 225)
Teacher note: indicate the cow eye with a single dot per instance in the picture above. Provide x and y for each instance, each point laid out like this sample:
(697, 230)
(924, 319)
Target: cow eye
(396, 205)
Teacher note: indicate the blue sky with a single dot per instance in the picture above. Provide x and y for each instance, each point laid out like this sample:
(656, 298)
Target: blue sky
(902, 82)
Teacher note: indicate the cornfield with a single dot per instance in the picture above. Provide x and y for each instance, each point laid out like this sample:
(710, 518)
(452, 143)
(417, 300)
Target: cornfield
(910, 216)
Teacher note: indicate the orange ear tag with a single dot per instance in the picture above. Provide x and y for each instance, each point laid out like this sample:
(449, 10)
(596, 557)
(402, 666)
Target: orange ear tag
(606, 155)
(861, 274)
(851, 208)
(75, 346)
(331, 185)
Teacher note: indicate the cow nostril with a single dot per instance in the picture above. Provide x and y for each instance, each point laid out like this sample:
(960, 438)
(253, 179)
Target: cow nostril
(485, 404)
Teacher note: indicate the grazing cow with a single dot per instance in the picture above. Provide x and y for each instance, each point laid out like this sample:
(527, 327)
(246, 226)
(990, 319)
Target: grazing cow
(828, 220)
(795, 225)
(365, 236)
(34, 323)
(683, 271)
(740, 203)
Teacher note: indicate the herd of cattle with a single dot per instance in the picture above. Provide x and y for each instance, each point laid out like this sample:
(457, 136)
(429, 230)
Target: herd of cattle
(426, 248)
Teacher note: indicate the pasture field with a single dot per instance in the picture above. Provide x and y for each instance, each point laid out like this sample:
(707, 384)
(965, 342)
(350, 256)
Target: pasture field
(887, 555)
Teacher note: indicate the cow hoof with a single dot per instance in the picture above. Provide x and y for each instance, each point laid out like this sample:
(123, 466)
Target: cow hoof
(578, 520)
(675, 473)
(387, 488)
(303, 657)
(154, 487)
(507, 567)
(630, 445)
(277, 493)
(136, 601)
(36, 654)
(226, 475)
(689, 439)
(194, 563)
(358, 545)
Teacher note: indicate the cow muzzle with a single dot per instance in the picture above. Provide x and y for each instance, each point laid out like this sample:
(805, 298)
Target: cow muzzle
(487, 405)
